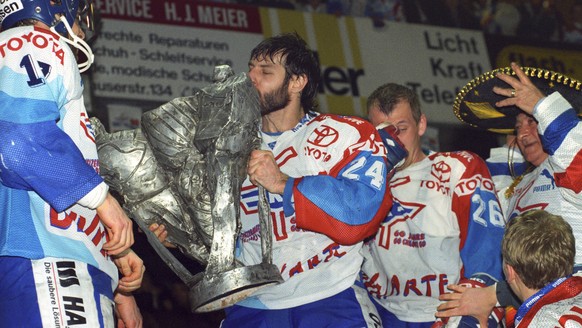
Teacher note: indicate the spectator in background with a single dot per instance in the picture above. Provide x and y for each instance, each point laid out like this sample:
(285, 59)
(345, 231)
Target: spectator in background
(466, 13)
(573, 26)
(539, 20)
(429, 12)
(313, 6)
(538, 257)
(498, 17)
(356, 8)
(384, 10)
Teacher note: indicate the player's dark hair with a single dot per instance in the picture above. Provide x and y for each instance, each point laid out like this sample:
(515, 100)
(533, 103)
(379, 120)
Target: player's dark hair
(297, 59)
(27, 22)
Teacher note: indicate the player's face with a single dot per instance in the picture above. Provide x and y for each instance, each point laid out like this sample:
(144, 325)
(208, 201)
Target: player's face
(78, 30)
(409, 130)
(268, 78)
(528, 139)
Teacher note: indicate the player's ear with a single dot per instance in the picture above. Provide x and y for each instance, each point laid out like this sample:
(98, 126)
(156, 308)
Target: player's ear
(422, 125)
(297, 83)
(510, 274)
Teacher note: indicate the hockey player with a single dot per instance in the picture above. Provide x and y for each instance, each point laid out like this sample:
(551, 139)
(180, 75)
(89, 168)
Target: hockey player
(326, 181)
(549, 136)
(445, 225)
(538, 255)
(61, 233)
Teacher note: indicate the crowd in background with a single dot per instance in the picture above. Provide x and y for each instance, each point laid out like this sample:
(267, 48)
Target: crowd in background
(540, 20)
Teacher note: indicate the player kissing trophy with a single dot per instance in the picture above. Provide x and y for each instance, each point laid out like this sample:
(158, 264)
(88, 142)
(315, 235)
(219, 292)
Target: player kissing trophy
(184, 168)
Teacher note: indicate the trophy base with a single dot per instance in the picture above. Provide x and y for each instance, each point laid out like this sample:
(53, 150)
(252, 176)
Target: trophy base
(218, 291)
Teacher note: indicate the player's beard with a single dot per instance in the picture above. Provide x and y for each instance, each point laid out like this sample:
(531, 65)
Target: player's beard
(275, 100)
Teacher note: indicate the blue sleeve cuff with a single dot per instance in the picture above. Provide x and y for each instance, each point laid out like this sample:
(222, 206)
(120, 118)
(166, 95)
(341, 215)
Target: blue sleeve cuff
(66, 200)
(288, 208)
(484, 278)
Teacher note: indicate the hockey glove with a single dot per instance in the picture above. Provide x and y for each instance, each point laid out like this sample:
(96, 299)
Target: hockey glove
(395, 151)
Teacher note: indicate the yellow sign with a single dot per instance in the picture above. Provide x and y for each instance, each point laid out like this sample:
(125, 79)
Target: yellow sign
(568, 62)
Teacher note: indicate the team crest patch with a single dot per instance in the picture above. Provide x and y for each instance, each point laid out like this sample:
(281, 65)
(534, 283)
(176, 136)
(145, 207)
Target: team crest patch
(400, 212)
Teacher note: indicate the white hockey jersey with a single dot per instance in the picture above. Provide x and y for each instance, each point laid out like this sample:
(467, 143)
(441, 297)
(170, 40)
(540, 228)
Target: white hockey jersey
(335, 197)
(555, 185)
(498, 164)
(49, 157)
(557, 305)
(446, 224)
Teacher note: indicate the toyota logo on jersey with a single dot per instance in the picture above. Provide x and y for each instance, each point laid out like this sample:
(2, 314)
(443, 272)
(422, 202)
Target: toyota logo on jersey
(323, 136)
(441, 171)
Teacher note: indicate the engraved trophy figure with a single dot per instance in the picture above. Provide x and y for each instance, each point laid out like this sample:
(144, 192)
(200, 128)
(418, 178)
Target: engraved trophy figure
(184, 168)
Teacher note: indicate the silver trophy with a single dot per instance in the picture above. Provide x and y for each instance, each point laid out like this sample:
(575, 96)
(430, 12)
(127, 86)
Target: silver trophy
(184, 168)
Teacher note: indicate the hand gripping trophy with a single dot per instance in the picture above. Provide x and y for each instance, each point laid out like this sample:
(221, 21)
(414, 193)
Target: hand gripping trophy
(184, 168)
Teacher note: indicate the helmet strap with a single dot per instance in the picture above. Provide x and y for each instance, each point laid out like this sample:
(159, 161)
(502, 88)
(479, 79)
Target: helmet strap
(77, 43)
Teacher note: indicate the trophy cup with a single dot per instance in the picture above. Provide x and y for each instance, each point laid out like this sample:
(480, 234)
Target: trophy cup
(184, 168)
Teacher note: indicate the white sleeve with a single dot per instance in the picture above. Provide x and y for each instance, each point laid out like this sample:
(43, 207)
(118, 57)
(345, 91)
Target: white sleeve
(95, 197)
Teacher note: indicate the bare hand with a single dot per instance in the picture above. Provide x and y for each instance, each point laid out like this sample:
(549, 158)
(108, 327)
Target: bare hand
(475, 302)
(132, 269)
(160, 231)
(127, 312)
(523, 93)
(263, 170)
(117, 224)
